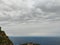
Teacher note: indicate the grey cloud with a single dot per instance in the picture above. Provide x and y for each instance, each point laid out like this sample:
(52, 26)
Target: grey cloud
(51, 29)
(54, 9)
(49, 6)
(23, 14)
(45, 15)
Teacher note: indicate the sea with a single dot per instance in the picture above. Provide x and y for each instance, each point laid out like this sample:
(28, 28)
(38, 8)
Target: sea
(39, 40)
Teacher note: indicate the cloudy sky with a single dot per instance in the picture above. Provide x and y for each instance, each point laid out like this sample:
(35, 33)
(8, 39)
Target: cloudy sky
(30, 17)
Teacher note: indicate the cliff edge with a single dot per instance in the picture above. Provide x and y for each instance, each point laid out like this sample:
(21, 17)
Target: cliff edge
(4, 39)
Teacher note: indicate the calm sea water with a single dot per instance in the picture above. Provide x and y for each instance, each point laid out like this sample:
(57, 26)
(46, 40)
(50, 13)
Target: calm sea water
(40, 40)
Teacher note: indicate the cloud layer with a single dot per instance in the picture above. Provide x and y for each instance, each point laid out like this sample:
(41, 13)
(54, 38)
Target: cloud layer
(29, 11)
(17, 12)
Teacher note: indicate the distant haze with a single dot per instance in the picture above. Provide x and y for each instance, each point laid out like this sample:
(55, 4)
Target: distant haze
(30, 17)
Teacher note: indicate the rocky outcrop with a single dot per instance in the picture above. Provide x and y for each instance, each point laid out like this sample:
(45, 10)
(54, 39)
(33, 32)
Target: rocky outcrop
(4, 39)
(30, 43)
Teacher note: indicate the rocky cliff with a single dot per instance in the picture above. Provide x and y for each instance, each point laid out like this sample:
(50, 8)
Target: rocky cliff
(4, 39)
(30, 43)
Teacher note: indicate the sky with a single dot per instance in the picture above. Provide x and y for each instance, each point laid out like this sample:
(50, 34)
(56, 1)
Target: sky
(30, 17)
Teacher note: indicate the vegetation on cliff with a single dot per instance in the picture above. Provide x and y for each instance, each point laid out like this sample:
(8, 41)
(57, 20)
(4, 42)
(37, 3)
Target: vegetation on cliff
(4, 39)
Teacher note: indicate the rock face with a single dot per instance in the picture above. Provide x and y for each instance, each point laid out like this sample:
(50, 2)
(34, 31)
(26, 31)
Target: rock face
(4, 39)
(30, 43)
